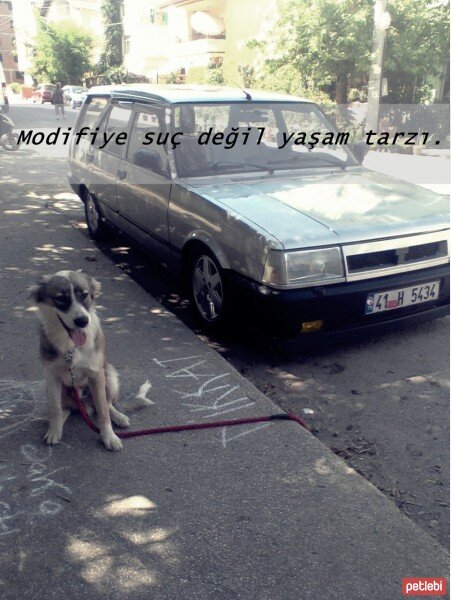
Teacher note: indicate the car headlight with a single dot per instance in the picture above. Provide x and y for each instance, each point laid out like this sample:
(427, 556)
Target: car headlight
(304, 266)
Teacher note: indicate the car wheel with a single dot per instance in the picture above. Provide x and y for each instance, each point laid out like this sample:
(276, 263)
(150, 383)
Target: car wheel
(93, 216)
(208, 290)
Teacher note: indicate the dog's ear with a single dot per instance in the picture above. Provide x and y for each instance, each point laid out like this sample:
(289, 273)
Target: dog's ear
(36, 292)
(94, 288)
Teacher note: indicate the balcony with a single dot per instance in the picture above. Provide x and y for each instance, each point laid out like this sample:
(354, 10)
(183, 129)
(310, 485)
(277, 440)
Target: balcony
(202, 46)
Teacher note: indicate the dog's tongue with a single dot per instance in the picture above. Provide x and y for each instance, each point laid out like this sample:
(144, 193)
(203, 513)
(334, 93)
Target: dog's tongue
(78, 336)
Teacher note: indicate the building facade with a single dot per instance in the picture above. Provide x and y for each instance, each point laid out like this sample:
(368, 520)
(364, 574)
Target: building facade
(8, 50)
(183, 38)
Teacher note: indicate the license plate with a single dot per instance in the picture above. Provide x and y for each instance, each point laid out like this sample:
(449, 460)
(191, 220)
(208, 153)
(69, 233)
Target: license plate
(393, 299)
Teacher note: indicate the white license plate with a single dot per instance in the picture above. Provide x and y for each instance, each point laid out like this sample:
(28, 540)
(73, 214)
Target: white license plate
(393, 299)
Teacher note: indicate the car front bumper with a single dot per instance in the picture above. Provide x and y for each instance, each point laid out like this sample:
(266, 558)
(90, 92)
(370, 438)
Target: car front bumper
(341, 307)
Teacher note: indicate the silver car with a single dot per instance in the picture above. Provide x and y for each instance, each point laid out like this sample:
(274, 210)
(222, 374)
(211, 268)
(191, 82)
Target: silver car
(261, 206)
(75, 95)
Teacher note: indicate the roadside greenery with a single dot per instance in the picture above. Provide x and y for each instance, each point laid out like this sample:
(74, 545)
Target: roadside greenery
(112, 56)
(61, 53)
(324, 47)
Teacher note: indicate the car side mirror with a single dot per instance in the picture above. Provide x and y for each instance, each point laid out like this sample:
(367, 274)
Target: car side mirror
(360, 149)
(149, 159)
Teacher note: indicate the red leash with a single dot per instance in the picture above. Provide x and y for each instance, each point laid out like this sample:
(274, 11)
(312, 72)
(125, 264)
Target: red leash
(174, 428)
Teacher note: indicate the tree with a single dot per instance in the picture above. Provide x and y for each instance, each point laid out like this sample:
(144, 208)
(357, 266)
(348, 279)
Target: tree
(416, 48)
(325, 41)
(215, 75)
(328, 44)
(112, 55)
(61, 53)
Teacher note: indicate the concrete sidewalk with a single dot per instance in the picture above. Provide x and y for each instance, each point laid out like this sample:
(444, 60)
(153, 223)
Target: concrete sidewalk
(254, 512)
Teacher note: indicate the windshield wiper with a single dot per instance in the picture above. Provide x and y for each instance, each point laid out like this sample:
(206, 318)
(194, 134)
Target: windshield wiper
(214, 166)
(329, 160)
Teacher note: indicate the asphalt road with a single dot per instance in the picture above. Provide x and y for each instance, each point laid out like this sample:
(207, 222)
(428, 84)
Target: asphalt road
(381, 403)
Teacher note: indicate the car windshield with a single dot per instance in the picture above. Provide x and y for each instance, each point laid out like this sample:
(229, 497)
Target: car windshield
(80, 90)
(243, 137)
(49, 87)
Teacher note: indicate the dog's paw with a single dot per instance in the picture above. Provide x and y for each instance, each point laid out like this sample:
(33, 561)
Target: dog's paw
(112, 442)
(120, 419)
(53, 435)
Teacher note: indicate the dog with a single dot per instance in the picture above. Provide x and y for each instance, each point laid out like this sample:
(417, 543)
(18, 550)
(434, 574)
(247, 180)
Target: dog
(72, 340)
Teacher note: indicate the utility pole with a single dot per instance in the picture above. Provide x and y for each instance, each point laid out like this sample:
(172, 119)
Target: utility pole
(381, 24)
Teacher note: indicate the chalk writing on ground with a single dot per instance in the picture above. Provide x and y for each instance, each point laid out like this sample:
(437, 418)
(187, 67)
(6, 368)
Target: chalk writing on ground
(17, 406)
(30, 490)
(208, 395)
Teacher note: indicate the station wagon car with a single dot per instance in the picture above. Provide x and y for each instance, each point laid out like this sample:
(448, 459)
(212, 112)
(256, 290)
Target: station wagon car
(257, 203)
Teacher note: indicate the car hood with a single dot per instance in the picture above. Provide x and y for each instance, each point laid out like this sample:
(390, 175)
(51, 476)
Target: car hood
(328, 208)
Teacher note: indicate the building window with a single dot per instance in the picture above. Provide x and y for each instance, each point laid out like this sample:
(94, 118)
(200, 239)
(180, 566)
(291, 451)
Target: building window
(158, 17)
(127, 39)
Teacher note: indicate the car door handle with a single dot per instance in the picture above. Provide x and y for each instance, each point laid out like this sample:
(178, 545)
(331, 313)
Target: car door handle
(90, 157)
(121, 174)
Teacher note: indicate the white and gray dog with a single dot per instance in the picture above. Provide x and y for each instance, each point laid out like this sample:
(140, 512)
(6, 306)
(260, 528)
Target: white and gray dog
(71, 335)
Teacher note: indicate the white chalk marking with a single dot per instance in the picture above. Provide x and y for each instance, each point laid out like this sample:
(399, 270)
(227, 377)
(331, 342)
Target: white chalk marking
(225, 439)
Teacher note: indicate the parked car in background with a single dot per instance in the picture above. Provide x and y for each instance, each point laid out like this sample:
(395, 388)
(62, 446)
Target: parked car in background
(302, 237)
(75, 95)
(43, 93)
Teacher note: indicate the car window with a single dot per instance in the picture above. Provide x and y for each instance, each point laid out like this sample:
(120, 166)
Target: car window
(143, 149)
(243, 136)
(115, 124)
(92, 111)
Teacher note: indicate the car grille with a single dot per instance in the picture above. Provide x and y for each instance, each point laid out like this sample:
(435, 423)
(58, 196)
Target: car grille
(399, 256)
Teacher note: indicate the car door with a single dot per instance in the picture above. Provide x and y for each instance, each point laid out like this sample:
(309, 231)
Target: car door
(104, 158)
(144, 183)
(81, 145)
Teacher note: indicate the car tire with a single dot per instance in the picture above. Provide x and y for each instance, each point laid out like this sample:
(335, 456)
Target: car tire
(207, 289)
(94, 220)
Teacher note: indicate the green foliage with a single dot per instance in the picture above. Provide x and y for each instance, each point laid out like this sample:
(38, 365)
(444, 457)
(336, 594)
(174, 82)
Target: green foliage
(173, 77)
(112, 56)
(322, 46)
(247, 74)
(61, 53)
(416, 47)
(325, 41)
(120, 75)
(215, 75)
(15, 87)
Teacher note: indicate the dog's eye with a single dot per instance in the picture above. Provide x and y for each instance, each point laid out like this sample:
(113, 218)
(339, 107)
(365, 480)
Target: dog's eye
(84, 294)
(60, 298)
